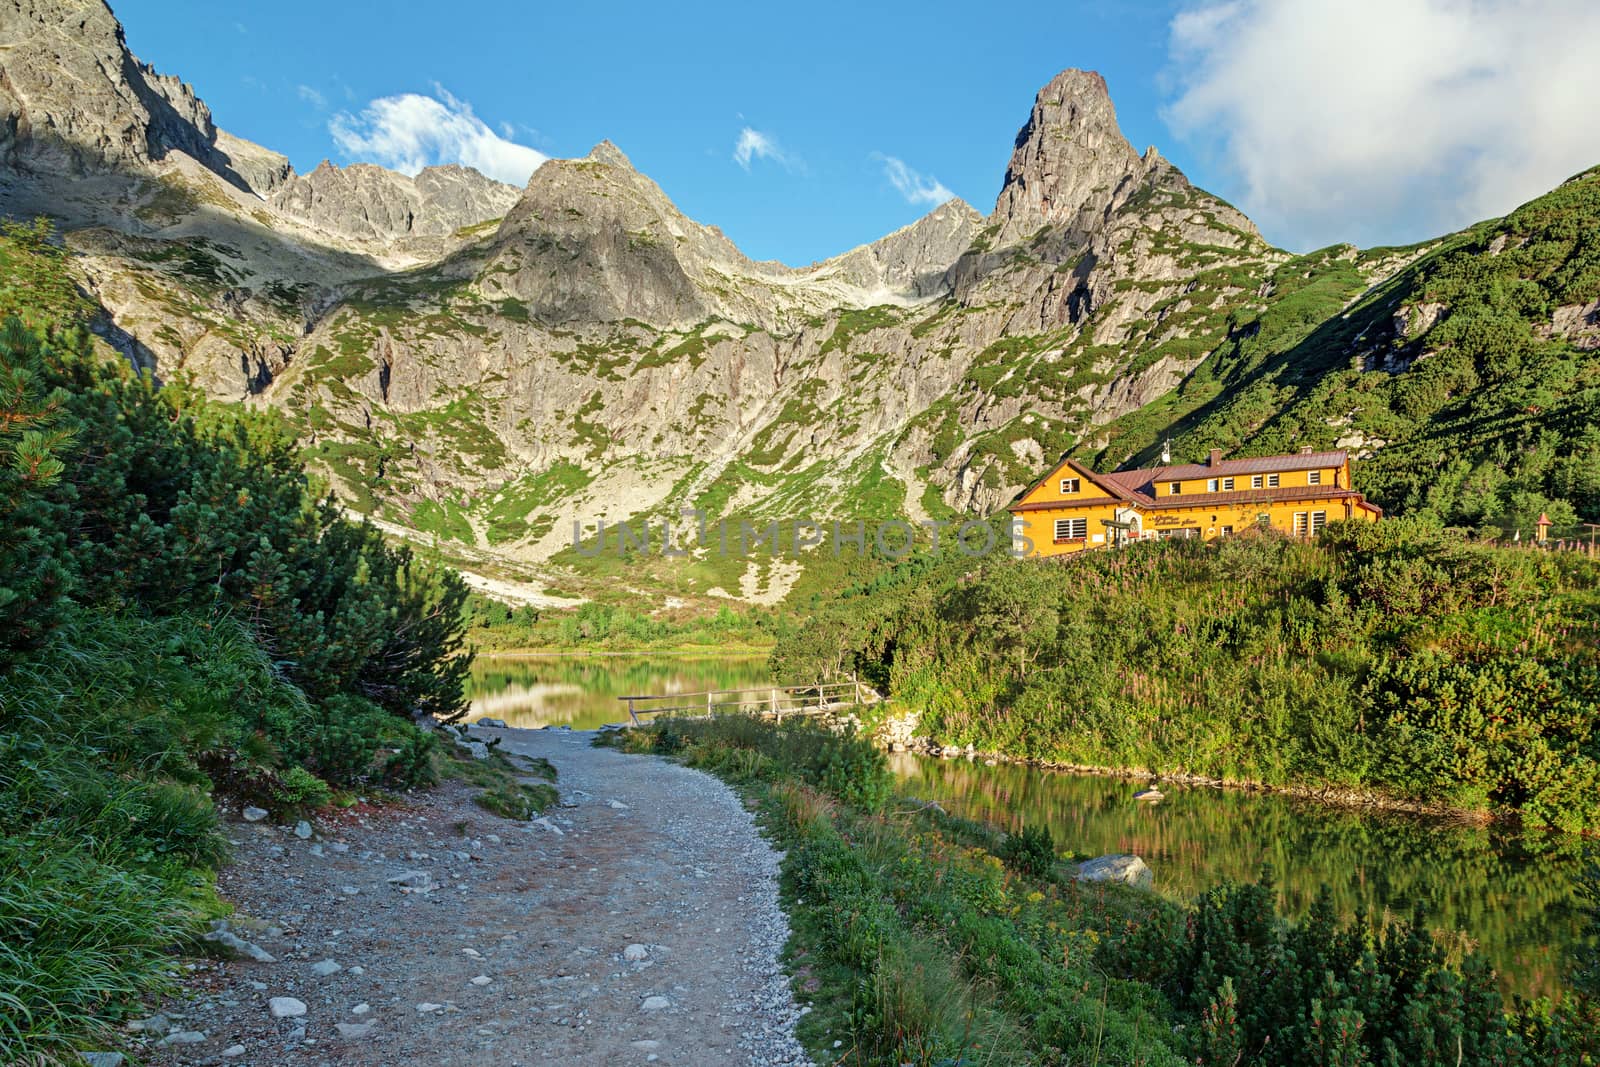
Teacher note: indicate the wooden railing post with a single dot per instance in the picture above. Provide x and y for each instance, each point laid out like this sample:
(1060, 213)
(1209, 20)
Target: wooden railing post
(631, 713)
(772, 702)
(708, 705)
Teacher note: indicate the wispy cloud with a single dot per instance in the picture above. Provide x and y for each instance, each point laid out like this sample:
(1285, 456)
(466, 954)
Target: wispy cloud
(915, 187)
(411, 131)
(312, 97)
(1450, 113)
(753, 144)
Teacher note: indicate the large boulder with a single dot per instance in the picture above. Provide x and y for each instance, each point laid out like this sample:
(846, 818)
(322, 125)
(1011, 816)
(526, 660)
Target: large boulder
(1129, 870)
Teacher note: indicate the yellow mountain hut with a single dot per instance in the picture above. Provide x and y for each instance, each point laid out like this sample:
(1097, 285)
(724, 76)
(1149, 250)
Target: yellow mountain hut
(1073, 508)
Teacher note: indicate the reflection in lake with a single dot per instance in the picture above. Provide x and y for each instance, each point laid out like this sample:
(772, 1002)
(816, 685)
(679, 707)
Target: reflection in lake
(582, 691)
(1509, 893)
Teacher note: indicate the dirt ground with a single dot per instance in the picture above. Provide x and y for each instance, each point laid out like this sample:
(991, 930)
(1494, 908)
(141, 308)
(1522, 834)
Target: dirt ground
(637, 923)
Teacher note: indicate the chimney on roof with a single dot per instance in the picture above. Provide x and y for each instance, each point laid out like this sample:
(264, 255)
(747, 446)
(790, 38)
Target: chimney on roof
(1305, 450)
(1216, 457)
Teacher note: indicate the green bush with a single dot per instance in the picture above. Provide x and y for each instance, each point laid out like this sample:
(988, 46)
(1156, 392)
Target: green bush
(153, 548)
(1030, 851)
(301, 791)
(1394, 657)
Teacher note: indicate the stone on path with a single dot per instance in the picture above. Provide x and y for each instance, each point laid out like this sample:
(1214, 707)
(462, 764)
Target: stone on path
(302, 830)
(354, 1030)
(655, 1004)
(254, 814)
(286, 1007)
(182, 1037)
(482, 980)
(103, 1059)
(412, 881)
(635, 953)
(325, 968)
(427, 1007)
(233, 1052)
(219, 934)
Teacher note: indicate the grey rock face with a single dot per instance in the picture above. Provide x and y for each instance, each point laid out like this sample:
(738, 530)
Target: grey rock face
(1069, 159)
(369, 203)
(74, 101)
(916, 258)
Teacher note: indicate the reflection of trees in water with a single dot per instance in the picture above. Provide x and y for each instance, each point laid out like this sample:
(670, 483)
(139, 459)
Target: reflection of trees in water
(1510, 893)
(582, 691)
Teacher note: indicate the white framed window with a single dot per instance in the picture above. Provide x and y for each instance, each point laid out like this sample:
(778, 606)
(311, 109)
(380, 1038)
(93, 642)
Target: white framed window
(1174, 488)
(1211, 485)
(1272, 481)
(1069, 486)
(1071, 529)
(1314, 478)
(1299, 524)
(1255, 481)
(1319, 519)
(1227, 485)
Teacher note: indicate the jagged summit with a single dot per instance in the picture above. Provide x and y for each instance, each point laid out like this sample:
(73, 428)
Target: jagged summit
(609, 154)
(1069, 158)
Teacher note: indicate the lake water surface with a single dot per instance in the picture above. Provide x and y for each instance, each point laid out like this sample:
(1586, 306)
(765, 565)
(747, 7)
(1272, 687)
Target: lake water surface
(582, 691)
(1508, 894)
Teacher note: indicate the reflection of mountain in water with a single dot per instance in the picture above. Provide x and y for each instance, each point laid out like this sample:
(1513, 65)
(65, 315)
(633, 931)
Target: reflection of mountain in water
(545, 701)
(583, 691)
(1509, 893)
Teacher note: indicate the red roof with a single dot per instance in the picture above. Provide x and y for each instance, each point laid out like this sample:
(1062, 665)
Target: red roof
(1209, 500)
(1138, 486)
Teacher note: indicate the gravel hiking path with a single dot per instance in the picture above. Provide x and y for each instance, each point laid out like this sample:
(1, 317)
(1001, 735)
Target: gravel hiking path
(637, 923)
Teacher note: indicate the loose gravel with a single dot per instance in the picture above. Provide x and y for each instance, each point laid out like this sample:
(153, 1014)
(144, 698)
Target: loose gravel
(637, 923)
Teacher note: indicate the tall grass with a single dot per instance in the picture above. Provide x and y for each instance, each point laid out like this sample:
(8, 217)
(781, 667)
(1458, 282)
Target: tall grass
(108, 834)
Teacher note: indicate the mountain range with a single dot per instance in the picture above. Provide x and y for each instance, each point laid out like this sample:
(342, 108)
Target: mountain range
(477, 364)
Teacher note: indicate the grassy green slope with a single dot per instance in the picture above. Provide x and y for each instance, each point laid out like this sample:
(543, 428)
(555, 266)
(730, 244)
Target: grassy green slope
(1475, 411)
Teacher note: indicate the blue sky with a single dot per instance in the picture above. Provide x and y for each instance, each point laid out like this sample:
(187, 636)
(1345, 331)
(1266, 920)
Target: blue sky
(1318, 124)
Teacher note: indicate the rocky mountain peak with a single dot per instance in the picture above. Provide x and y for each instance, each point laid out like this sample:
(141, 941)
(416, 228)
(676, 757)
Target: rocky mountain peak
(1070, 157)
(368, 203)
(609, 154)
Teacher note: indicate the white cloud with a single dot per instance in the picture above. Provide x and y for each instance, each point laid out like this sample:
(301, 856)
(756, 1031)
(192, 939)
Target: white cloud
(312, 97)
(411, 131)
(753, 144)
(916, 188)
(1378, 121)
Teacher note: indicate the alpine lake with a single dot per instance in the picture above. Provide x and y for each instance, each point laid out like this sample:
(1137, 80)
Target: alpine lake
(1504, 892)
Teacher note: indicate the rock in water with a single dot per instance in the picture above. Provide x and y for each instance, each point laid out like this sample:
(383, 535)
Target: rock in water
(498, 724)
(1149, 796)
(1129, 870)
